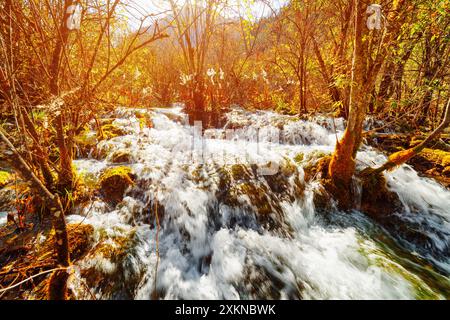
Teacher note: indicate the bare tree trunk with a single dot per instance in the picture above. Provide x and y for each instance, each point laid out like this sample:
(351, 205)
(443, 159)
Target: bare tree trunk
(342, 165)
(333, 91)
(364, 73)
(66, 176)
(58, 281)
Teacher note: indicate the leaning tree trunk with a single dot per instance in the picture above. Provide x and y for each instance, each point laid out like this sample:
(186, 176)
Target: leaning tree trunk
(401, 157)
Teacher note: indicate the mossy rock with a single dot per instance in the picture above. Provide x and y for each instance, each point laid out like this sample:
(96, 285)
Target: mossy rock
(377, 200)
(434, 163)
(439, 144)
(240, 172)
(109, 131)
(115, 181)
(286, 182)
(240, 187)
(121, 156)
(5, 178)
(446, 171)
(80, 240)
(121, 278)
(258, 196)
(439, 157)
(299, 157)
(317, 168)
(389, 143)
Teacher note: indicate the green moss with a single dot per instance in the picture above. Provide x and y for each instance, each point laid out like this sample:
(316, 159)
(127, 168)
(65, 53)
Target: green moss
(109, 131)
(121, 171)
(299, 157)
(5, 178)
(287, 168)
(438, 157)
(86, 137)
(239, 172)
(378, 257)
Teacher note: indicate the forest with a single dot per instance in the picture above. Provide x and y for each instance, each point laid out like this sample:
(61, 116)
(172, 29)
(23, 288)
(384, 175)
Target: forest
(224, 149)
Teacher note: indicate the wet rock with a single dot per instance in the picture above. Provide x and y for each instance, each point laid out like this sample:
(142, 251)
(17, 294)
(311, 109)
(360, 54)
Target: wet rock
(114, 182)
(286, 183)
(262, 283)
(113, 268)
(433, 163)
(121, 156)
(110, 131)
(376, 199)
(241, 187)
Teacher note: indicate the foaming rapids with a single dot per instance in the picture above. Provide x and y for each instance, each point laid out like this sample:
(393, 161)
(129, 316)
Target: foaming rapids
(228, 214)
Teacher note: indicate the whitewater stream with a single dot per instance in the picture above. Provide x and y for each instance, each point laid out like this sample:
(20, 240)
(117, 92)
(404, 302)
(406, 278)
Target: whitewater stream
(237, 219)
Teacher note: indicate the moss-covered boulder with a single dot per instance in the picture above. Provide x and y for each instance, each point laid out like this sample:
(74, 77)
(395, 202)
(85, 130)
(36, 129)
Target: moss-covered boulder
(113, 269)
(114, 182)
(5, 178)
(434, 157)
(109, 131)
(240, 186)
(377, 200)
(434, 163)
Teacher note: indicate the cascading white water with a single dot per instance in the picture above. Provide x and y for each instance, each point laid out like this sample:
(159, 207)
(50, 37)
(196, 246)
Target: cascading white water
(229, 233)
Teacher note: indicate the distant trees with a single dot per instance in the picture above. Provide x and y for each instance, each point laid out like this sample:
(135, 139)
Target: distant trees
(194, 24)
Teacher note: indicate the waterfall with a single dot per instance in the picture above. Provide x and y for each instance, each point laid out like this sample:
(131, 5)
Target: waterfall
(229, 232)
